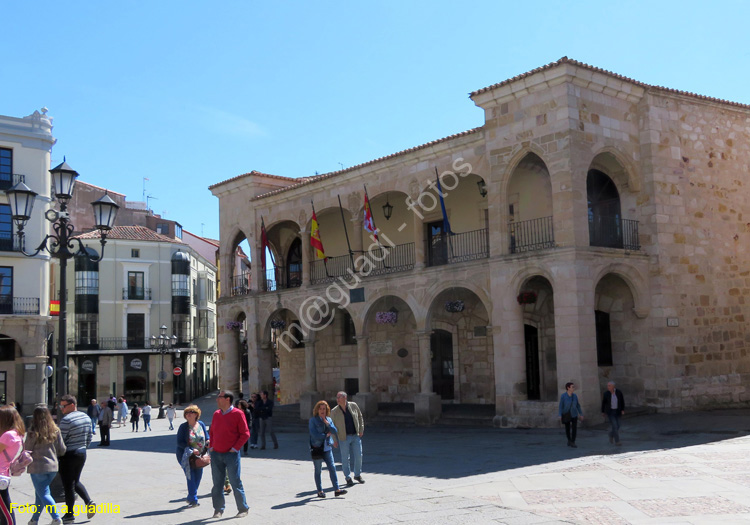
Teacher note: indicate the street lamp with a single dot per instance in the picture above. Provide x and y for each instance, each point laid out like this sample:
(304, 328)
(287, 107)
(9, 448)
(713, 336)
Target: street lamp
(162, 344)
(60, 245)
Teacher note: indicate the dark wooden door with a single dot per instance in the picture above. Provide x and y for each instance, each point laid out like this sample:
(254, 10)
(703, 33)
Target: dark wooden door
(441, 348)
(531, 336)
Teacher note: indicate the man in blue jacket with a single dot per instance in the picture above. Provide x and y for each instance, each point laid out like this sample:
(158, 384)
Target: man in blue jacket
(613, 406)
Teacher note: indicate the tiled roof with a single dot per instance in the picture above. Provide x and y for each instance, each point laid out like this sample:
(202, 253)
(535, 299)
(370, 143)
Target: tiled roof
(308, 180)
(130, 233)
(566, 60)
(253, 173)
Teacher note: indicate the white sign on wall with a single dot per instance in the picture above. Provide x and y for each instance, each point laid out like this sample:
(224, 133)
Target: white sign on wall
(381, 347)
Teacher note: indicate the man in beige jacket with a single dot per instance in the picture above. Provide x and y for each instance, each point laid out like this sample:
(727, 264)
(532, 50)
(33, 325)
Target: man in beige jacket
(348, 420)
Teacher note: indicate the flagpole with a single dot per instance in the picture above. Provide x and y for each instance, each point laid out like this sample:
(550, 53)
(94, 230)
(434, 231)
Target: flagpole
(343, 220)
(446, 224)
(374, 227)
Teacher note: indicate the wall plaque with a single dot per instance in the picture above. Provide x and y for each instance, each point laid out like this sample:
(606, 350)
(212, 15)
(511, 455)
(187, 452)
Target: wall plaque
(381, 347)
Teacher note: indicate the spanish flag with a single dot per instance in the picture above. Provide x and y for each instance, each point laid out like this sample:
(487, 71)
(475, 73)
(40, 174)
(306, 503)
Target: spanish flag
(315, 241)
(54, 308)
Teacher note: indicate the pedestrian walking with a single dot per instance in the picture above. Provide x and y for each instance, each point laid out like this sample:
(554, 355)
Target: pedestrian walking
(228, 433)
(255, 429)
(266, 420)
(569, 412)
(12, 431)
(105, 423)
(192, 440)
(245, 407)
(122, 414)
(613, 406)
(45, 443)
(170, 415)
(323, 436)
(348, 419)
(76, 433)
(146, 411)
(135, 417)
(93, 412)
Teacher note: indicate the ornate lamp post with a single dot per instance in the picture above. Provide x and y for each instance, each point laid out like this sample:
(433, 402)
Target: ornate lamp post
(163, 343)
(60, 245)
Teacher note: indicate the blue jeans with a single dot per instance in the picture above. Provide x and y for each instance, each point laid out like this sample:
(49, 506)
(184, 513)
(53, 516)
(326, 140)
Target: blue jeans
(351, 449)
(94, 421)
(225, 464)
(146, 421)
(614, 420)
(41, 484)
(328, 458)
(193, 483)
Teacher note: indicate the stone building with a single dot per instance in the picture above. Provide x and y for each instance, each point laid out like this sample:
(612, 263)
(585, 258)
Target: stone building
(598, 230)
(26, 328)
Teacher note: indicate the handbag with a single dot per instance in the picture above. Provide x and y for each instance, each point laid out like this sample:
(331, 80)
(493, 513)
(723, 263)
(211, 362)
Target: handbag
(566, 417)
(198, 462)
(316, 452)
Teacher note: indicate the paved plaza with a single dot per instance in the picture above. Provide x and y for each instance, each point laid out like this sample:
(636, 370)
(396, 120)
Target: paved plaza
(672, 469)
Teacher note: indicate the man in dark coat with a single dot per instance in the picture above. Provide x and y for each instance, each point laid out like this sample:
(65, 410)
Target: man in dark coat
(613, 406)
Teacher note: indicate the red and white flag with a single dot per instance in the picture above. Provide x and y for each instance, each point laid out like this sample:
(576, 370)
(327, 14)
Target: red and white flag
(369, 224)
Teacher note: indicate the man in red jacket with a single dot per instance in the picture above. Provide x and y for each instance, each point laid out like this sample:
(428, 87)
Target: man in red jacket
(228, 432)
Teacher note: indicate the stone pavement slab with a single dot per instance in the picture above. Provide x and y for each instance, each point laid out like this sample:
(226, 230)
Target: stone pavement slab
(666, 472)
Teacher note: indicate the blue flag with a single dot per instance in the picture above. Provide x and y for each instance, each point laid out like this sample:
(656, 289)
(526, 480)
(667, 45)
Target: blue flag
(446, 222)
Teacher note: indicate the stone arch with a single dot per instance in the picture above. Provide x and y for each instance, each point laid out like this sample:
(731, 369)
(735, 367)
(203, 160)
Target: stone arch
(622, 344)
(517, 281)
(442, 287)
(617, 165)
(416, 310)
(517, 159)
(637, 285)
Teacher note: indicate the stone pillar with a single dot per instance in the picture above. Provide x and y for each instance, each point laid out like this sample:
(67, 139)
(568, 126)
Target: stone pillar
(310, 394)
(419, 243)
(364, 398)
(258, 280)
(427, 407)
(510, 356)
(305, 258)
(575, 337)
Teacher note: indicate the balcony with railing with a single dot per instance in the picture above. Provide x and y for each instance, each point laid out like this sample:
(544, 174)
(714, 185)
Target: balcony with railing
(240, 284)
(136, 293)
(531, 235)
(328, 269)
(447, 248)
(388, 259)
(10, 242)
(123, 343)
(278, 278)
(613, 232)
(8, 180)
(19, 305)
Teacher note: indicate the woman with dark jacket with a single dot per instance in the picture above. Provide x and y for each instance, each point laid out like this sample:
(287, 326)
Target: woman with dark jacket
(323, 436)
(135, 417)
(192, 439)
(245, 407)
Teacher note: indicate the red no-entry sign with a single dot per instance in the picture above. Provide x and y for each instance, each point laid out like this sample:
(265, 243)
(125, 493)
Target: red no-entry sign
(177, 370)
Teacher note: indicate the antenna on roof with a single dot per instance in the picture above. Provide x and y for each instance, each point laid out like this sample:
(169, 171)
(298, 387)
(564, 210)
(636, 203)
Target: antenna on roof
(340, 164)
(150, 197)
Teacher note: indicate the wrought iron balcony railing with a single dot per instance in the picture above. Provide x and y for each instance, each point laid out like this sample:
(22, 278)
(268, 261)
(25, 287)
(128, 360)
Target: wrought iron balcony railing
(19, 305)
(134, 293)
(240, 284)
(387, 259)
(534, 234)
(278, 278)
(613, 232)
(327, 270)
(10, 242)
(124, 343)
(8, 180)
(458, 247)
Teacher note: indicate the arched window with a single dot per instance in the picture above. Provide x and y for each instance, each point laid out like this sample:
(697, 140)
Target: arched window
(605, 219)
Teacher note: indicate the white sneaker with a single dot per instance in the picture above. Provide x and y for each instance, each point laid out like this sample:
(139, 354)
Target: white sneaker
(35, 522)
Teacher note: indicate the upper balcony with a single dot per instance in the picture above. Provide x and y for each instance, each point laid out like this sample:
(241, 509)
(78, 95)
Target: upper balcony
(613, 232)
(136, 293)
(10, 242)
(451, 248)
(122, 343)
(19, 305)
(8, 180)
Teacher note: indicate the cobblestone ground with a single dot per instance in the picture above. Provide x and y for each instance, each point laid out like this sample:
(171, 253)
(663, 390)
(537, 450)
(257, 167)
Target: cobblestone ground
(665, 473)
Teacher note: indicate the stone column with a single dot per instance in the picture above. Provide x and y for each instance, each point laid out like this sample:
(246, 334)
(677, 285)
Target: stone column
(310, 394)
(575, 337)
(427, 407)
(420, 255)
(510, 356)
(305, 235)
(364, 398)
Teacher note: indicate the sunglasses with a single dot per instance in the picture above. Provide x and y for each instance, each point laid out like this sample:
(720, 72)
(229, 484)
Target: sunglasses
(65, 404)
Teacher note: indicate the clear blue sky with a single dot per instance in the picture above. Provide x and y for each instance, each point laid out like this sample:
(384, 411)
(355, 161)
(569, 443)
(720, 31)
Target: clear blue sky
(191, 93)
